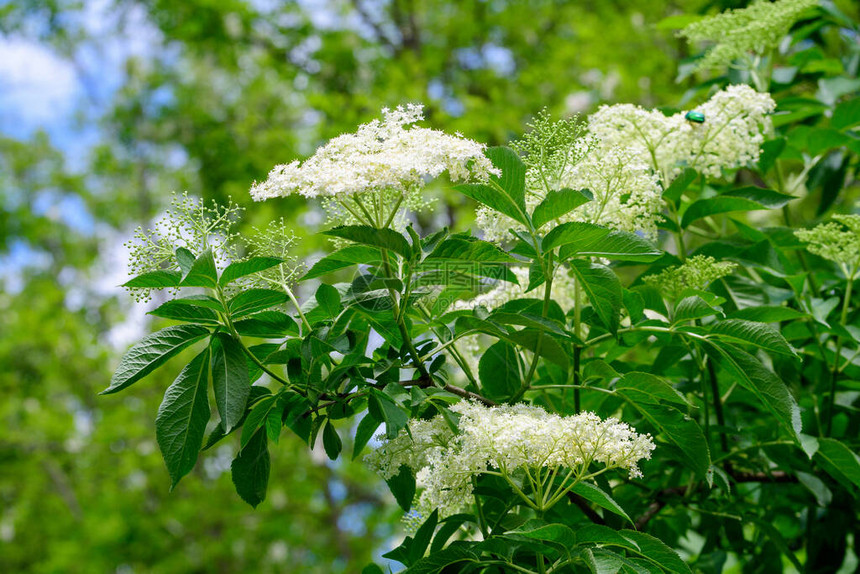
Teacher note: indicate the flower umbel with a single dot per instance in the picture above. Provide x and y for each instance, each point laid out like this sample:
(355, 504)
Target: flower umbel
(696, 273)
(834, 242)
(368, 176)
(541, 455)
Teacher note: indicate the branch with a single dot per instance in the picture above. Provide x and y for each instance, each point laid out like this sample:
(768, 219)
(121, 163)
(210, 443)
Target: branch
(426, 382)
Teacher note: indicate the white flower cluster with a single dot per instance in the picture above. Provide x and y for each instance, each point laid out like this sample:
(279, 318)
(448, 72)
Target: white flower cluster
(756, 29)
(626, 194)
(391, 156)
(517, 442)
(736, 120)
(835, 243)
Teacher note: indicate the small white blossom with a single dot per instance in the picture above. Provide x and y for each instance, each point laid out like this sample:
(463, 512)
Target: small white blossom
(736, 120)
(512, 441)
(389, 159)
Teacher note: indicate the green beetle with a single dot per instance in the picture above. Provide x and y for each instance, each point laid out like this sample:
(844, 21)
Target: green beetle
(695, 117)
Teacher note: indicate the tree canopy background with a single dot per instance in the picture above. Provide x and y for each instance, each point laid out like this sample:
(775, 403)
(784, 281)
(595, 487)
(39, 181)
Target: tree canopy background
(108, 106)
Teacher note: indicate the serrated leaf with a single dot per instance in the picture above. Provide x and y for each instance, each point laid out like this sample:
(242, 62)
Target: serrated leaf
(267, 325)
(239, 269)
(155, 280)
(202, 273)
(620, 246)
(593, 493)
(768, 314)
(513, 177)
(438, 561)
(257, 417)
(402, 486)
(692, 308)
(764, 384)
(839, 461)
(677, 428)
(229, 379)
(492, 198)
(180, 311)
(152, 352)
(760, 335)
(742, 199)
(382, 238)
(250, 470)
(343, 258)
(556, 204)
(185, 258)
(499, 372)
(576, 235)
(182, 417)
(422, 537)
(680, 184)
(253, 300)
(460, 249)
(603, 290)
(328, 299)
(648, 388)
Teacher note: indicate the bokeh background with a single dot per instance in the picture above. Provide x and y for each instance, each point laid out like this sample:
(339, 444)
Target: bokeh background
(108, 106)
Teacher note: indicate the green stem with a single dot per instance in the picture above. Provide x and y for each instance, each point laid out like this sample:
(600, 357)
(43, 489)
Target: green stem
(539, 343)
(577, 350)
(401, 324)
(834, 375)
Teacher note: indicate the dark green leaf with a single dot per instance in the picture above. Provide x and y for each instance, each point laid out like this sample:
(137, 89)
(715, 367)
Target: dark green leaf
(692, 308)
(328, 299)
(438, 561)
(402, 486)
(152, 352)
(621, 246)
(761, 335)
(648, 388)
(594, 494)
(331, 441)
(459, 249)
(182, 417)
(513, 178)
(155, 280)
(185, 259)
(254, 300)
(499, 371)
(768, 314)
(346, 257)
(202, 272)
(680, 184)
(239, 269)
(229, 379)
(839, 461)
(846, 115)
(257, 417)
(366, 235)
(603, 290)
(423, 537)
(250, 470)
(363, 433)
(493, 198)
(743, 199)
(267, 325)
(181, 311)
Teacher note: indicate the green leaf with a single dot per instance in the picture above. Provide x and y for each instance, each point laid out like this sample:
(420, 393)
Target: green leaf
(381, 238)
(267, 325)
(254, 300)
(761, 382)
(250, 470)
(343, 258)
(556, 533)
(846, 115)
(494, 199)
(200, 301)
(460, 249)
(438, 561)
(258, 417)
(839, 461)
(655, 551)
(363, 433)
(328, 299)
(402, 486)
(680, 184)
(593, 493)
(179, 310)
(386, 410)
(677, 428)
(760, 335)
(185, 259)
(648, 388)
(768, 314)
(239, 269)
(499, 372)
(151, 352)
(692, 308)
(423, 537)
(742, 199)
(331, 441)
(603, 290)
(155, 280)
(574, 234)
(556, 204)
(202, 273)
(182, 417)
(513, 178)
(229, 379)
(621, 246)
